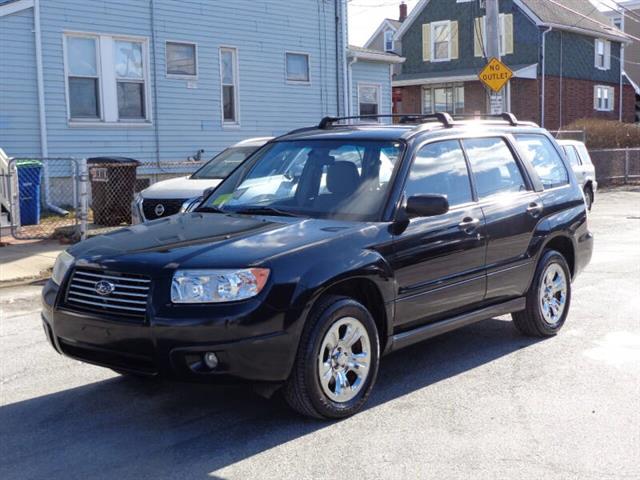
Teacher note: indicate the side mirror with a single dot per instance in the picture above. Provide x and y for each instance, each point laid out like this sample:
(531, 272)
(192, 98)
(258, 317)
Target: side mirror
(426, 205)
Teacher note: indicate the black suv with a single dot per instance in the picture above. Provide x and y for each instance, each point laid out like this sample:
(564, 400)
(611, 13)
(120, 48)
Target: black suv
(329, 247)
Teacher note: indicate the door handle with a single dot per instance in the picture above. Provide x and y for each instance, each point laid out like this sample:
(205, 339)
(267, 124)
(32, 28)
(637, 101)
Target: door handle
(534, 209)
(469, 225)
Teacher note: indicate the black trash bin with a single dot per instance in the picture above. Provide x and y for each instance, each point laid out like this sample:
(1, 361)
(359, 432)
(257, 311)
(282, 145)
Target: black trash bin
(112, 184)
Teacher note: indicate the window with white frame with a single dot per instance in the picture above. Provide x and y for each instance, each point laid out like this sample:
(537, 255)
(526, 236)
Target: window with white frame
(181, 59)
(297, 66)
(443, 98)
(229, 83)
(603, 98)
(388, 41)
(602, 54)
(368, 99)
(441, 41)
(107, 78)
(505, 33)
(83, 78)
(130, 80)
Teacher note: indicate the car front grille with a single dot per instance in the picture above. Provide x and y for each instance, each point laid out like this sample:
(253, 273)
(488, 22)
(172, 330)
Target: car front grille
(111, 293)
(158, 208)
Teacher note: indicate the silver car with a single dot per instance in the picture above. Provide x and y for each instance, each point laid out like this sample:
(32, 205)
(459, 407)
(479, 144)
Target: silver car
(582, 165)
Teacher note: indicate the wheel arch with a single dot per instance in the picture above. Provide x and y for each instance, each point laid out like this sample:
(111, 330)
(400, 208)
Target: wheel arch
(564, 245)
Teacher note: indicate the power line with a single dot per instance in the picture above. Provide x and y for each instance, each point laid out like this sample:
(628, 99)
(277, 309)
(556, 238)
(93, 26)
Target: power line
(622, 8)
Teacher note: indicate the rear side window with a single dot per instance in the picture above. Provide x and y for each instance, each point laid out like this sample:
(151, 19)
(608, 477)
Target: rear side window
(545, 160)
(440, 168)
(572, 155)
(494, 168)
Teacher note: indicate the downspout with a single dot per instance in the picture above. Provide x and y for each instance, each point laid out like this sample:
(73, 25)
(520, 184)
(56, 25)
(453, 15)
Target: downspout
(343, 56)
(561, 123)
(337, 35)
(152, 12)
(42, 114)
(544, 73)
(349, 110)
(621, 62)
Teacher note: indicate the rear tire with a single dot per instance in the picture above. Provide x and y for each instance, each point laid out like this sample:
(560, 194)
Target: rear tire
(337, 361)
(548, 299)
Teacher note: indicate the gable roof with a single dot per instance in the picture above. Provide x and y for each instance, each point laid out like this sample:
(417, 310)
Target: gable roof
(557, 14)
(374, 55)
(386, 24)
(571, 15)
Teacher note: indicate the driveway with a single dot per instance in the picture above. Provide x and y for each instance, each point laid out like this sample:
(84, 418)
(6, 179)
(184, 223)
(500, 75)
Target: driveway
(482, 402)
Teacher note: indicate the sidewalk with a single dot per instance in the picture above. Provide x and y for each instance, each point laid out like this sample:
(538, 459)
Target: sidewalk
(27, 260)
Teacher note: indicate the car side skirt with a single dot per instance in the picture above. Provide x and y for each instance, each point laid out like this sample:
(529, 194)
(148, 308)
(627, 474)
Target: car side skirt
(424, 332)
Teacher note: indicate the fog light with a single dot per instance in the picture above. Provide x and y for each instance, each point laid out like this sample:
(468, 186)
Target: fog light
(210, 360)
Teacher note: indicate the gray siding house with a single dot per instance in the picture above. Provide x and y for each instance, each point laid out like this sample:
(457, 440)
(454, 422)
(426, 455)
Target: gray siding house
(564, 55)
(158, 80)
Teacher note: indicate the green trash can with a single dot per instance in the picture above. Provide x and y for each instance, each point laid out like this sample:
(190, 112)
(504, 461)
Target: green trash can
(29, 175)
(113, 181)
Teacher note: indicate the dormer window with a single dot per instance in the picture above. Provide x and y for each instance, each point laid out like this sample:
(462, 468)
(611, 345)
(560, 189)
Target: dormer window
(388, 41)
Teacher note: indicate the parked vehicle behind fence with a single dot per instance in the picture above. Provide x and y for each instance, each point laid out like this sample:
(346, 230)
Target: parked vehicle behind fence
(583, 167)
(328, 248)
(175, 195)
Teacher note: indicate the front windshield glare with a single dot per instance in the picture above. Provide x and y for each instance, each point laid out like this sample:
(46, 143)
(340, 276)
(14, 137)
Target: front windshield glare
(324, 178)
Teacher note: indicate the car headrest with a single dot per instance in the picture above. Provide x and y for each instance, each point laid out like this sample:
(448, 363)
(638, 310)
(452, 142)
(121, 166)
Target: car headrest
(342, 178)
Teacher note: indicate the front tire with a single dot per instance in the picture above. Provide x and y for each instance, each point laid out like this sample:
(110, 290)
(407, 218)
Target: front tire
(337, 361)
(548, 299)
(588, 195)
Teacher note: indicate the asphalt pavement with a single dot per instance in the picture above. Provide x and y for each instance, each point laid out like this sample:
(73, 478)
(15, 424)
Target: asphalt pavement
(482, 402)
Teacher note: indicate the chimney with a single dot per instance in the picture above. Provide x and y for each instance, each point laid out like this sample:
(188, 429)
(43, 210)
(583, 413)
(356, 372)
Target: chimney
(403, 11)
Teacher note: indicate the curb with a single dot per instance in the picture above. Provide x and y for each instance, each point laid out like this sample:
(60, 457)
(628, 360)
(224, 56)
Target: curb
(33, 279)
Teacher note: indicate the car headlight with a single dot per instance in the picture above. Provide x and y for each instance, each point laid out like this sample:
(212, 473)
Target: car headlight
(61, 267)
(216, 286)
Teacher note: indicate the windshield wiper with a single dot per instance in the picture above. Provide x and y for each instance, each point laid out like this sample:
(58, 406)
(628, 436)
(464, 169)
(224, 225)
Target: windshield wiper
(265, 210)
(210, 210)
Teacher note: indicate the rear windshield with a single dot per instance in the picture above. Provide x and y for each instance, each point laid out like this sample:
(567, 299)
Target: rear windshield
(224, 163)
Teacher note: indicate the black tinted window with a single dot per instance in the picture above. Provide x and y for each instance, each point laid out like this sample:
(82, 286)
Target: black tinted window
(494, 168)
(440, 168)
(545, 160)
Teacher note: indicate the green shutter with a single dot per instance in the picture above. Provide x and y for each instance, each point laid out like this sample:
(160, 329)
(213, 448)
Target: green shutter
(508, 34)
(478, 37)
(454, 40)
(426, 42)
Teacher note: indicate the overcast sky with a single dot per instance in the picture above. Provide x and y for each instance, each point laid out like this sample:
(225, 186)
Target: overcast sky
(365, 16)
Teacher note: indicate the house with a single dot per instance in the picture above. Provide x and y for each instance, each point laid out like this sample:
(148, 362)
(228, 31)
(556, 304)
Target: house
(564, 55)
(626, 17)
(159, 80)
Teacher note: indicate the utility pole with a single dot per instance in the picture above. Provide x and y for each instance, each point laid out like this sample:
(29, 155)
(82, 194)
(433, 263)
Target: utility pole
(493, 49)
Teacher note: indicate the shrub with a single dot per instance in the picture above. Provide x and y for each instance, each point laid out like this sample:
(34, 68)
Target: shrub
(608, 133)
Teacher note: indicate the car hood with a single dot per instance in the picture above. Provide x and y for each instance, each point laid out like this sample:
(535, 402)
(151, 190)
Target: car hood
(183, 187)
(207, 240)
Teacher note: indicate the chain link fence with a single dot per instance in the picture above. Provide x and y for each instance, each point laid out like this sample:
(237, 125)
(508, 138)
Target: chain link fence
(616, 166)
(42, 198)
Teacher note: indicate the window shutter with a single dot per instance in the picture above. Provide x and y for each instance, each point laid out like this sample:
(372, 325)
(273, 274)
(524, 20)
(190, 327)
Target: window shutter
(612, 99)
(607, 55)
(508, 34)
(426, 42)
(454, 40)
(595, 97)
(478, 37)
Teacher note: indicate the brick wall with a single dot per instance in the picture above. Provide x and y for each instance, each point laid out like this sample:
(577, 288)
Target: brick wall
(576, 102)
(475, 98)
(525, 99)
(410, 99)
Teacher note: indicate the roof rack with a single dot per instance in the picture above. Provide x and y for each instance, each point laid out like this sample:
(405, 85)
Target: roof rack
(442, 117)
(506, 116)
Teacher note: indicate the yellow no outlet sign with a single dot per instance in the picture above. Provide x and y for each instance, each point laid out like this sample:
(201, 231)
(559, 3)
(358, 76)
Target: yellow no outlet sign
(495, 75)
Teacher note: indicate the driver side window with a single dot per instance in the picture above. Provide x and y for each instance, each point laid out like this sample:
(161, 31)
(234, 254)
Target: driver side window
(440, 168)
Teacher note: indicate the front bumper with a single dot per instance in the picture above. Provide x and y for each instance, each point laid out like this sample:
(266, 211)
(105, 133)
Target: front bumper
(247, 337)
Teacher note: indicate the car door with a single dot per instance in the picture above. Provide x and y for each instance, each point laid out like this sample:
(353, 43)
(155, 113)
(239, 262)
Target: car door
(511, 211)
(439, 261)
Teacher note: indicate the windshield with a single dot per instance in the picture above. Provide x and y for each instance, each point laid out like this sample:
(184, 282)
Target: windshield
(324, 178)
(223, 164)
